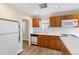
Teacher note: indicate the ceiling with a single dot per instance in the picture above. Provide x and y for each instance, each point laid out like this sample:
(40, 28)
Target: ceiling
(33, 9)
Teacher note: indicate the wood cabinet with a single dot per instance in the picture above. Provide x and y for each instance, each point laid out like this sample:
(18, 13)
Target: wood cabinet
(68, 17)
(52, 42)
(35, 22)
(56, 21)
(58, 44)
(43, 41)
(52, 22)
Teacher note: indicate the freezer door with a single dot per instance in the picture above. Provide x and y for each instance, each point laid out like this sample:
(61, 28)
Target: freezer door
(8, 27)
(9, 44)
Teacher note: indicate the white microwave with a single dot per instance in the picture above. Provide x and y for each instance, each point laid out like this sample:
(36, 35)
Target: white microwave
(70, 23)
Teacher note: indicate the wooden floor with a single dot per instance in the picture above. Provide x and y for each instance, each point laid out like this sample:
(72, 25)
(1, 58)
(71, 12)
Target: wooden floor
(35, 50)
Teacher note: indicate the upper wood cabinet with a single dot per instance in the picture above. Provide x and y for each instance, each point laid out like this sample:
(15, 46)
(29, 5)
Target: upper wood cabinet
(52, 22)
(68, 17)
(56, 21)
(36, 22)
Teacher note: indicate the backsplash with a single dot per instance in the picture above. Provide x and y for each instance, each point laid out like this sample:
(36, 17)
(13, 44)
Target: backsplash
(72, 30)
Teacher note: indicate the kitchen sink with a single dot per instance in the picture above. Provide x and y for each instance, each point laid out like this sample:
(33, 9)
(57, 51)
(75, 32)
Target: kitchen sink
(70, 36)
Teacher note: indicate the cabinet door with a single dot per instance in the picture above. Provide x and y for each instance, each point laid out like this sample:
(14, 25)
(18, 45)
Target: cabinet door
(40, 41)
(52, 42)
(46, 41)
(71, 16)
(58, 21)
(36, 22)
(58, 44)
(65, 17)
(43, 41)
(52, 22)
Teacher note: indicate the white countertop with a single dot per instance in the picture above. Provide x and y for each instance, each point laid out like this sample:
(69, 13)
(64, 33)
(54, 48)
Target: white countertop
(54, 34)
(71, 43)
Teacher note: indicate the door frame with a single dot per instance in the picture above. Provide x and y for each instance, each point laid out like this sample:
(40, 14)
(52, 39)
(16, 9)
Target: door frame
(30, 27)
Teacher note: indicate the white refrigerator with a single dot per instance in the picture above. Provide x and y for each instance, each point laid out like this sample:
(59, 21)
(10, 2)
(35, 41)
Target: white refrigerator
(9, 37)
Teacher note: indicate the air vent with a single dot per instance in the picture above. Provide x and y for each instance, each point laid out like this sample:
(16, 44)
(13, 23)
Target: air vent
(43, 5)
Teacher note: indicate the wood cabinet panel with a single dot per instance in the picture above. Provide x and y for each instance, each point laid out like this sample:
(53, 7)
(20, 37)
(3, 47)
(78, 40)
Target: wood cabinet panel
(35, 22)
(46, 41)
(58, 21)
(43, 41)
(69, 17)
(77, 17)
(65, 51)
(40, 41)
(52, 22)
(58, 44)
(52, 42)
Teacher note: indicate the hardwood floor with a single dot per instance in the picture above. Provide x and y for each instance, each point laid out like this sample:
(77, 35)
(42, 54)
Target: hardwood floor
(35, 50)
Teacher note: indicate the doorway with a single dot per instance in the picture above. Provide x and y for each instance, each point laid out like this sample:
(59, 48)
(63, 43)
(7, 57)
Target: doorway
(25, 33)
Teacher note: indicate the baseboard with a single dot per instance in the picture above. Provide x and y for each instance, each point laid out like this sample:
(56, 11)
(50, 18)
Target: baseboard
(25, 40)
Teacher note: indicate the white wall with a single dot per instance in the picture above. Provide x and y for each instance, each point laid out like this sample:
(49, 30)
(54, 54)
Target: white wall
(8, 12)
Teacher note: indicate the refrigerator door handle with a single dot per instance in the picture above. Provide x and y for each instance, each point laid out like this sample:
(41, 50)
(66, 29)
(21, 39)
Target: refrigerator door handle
(19, 33)
(19, 38)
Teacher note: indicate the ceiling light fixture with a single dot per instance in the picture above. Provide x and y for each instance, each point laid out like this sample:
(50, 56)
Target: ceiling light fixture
(43, 5)
(35, 12)
(56, 7)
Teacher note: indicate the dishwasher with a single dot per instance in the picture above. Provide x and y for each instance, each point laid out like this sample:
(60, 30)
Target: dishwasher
(34, 39)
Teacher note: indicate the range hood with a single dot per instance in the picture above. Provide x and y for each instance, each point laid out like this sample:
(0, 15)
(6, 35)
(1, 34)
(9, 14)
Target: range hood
(70, 23)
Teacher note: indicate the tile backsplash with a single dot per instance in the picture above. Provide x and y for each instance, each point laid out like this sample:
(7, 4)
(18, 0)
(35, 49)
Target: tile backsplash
(60, 30)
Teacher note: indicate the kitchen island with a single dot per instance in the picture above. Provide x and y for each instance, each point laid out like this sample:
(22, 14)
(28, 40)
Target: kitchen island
(66, 44)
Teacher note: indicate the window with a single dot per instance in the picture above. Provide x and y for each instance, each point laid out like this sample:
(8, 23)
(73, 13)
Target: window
(45, 26)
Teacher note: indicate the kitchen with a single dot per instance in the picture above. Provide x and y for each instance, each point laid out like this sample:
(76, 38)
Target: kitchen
(61, 33)
(57, 30)
(41, 29)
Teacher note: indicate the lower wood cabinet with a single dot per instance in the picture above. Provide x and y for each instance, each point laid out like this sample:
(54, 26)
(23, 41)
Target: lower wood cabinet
(43, 41)
(52, 42)
(58, 44)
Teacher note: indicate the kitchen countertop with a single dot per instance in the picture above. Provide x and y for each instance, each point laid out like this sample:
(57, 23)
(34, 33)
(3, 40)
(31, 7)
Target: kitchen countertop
(47, 34)
(70, 42)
